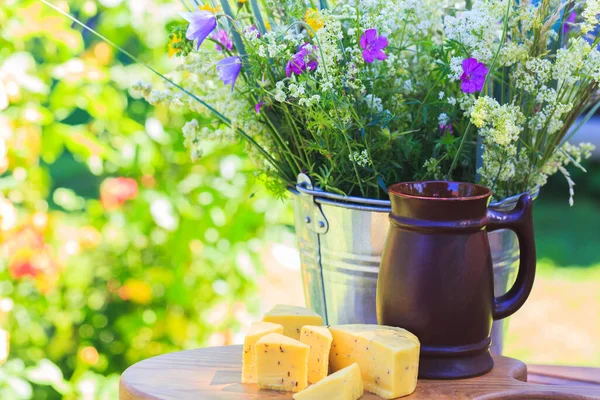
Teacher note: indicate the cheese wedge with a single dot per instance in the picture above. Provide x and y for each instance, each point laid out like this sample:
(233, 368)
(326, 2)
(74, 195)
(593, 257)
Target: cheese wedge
(281, 363)
(346, 384)
(388, 357)
(293, 318)
(319, 339)
(257, 330)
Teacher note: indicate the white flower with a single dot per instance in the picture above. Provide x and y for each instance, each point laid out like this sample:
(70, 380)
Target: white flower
(143, 87)
(456, 68)
(443, 119)
(190, 130)
(310, 100)
(251, 34)
(279, 95)
(569, 61)
(441, 95)
(361, 159)
(451, 100)
(296, 90)
(262, 51)
(477, 29)
(374, 103)
(590, 15)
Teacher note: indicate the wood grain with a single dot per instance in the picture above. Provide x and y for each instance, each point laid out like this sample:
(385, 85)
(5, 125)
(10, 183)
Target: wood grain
(214, 373)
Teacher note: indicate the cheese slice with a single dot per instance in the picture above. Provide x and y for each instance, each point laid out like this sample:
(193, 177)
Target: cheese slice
(281, 363)
(257, 330)
(319, 339)
(388, 357)
(293, 318)
(346, 384)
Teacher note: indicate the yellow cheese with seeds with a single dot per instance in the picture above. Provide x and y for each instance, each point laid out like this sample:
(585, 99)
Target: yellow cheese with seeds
(319, 339)
(257, 330)
(281, 363)
(388, 357)
(293, 318)
(346, 384)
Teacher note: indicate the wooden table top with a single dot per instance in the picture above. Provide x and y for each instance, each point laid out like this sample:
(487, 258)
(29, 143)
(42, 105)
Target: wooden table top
(214, 373)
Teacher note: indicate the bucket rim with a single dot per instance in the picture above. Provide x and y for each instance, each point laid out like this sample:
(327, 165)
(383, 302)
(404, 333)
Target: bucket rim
(377, 205)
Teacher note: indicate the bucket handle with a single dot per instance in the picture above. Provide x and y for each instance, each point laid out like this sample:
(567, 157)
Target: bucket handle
(520, 221)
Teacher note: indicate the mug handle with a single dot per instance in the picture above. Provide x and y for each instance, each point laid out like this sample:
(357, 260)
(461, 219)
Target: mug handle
(520, 221)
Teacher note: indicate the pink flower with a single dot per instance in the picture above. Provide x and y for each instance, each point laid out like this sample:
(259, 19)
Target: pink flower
(114, 192)
(446, 129)
(223, 38)
(258, 106)
(570, 22)
(301, 61)
(373, 45)
(473, 77)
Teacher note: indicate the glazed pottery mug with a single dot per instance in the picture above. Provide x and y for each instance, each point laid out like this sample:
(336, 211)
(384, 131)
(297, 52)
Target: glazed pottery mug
(436, 276)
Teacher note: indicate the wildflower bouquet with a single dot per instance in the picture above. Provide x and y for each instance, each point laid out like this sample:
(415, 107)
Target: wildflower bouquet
(360, 94)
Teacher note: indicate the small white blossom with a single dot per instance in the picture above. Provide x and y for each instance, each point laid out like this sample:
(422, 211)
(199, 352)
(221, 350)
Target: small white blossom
(374, 103)
(443, 119)
(590, 15)
(361, 159)
(279, 95)
(456, 68)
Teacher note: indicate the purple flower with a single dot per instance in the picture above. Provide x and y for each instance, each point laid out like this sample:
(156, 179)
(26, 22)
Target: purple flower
(301, 61)
(258, 106)
(223, 38)
(446, 129)
(571, 19)
(202, 23)
(229, 69)
(373, 45)
(473, 77)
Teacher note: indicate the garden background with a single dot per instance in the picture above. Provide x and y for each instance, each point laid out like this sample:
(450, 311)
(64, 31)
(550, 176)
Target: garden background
(115, 247)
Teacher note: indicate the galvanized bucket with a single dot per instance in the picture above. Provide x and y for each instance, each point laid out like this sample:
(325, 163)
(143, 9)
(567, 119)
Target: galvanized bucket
(341, 240)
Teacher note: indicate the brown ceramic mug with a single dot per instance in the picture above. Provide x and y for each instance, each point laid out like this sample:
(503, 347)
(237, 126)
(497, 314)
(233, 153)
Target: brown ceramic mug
(436, 274)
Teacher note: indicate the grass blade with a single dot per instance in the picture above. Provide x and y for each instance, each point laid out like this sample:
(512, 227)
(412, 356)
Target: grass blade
(262, 28)
(237, 39)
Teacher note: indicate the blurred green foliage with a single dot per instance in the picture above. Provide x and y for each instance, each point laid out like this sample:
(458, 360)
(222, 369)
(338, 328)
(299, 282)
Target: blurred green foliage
(115, 247)
(568, 235)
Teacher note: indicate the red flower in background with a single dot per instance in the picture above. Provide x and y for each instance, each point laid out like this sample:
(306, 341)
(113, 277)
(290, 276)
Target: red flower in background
(21, 268)
(114, 192)
(30, 257)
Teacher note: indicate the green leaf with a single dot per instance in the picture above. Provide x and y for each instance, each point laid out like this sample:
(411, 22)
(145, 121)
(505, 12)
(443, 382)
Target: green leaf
(448, 140)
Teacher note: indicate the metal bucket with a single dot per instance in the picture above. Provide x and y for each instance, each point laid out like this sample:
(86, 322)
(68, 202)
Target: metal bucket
(341, 240)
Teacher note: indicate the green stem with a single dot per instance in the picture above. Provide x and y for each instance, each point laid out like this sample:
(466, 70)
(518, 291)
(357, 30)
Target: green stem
(487, 77)
(239, 44)
(296, 134)
(426, 97)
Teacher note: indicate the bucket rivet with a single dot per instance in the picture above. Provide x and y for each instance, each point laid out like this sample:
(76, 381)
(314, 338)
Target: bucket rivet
(321, 224)
(307, 220)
